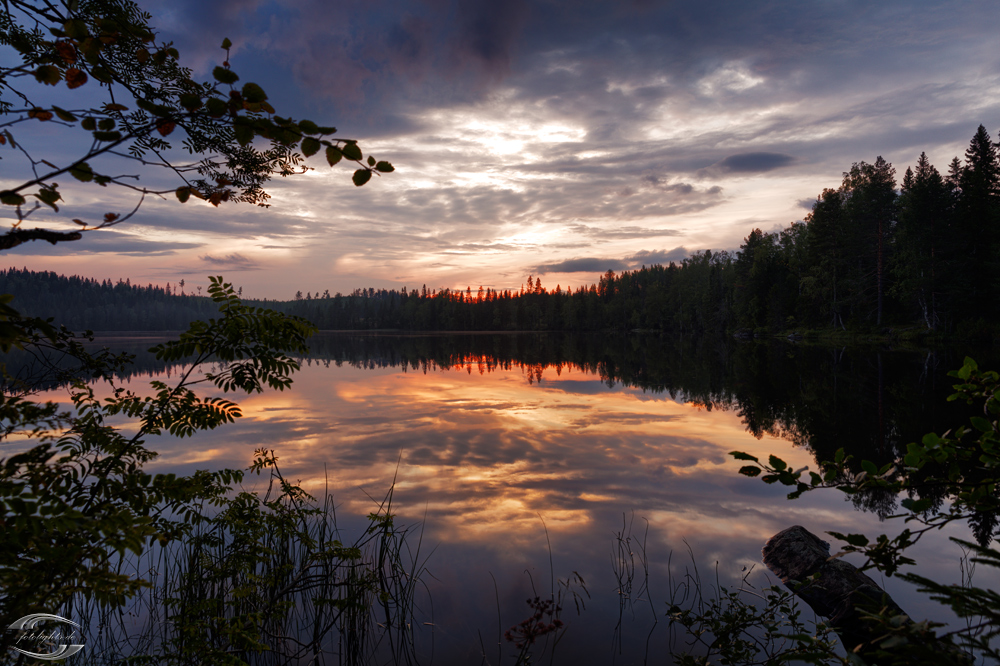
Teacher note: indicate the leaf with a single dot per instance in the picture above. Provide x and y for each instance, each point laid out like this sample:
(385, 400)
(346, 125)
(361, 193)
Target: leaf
(333, 155)
(371, 161)
(76, 28)
(226, 44)
(739, 455)
(310, 146)
(981, 424)
(749, 470)
(351, 151)
(11, 198)
(223, 75)
(82, 172)
(64, 115)
(216, 107)
(384, 167)
(48, 75)
(916, 506)
(183, 194)
(244, 134)
(40, 114)
(190, 101)
(101, 74)
(89, 124)
(869, 467)
(777, 463)
(75, 78)
(361, 176)
(108, 136)
(253, 93)
(308, 127)
(49, 196)
(153, 107)
(859, 540)
(165, 127)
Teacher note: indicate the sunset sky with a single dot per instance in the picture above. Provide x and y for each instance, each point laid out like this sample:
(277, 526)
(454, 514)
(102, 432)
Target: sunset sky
(558, 139)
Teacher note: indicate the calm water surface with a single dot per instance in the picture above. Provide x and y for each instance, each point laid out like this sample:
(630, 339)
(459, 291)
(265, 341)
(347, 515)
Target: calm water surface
(509, 449)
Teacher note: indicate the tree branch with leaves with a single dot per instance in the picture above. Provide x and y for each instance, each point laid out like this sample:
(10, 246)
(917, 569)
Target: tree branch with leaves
(151, 104)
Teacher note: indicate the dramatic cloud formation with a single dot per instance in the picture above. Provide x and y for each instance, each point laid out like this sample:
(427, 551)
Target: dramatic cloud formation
(558, 135)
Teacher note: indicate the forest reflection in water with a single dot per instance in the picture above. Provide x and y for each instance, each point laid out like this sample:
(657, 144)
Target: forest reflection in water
(504, 446)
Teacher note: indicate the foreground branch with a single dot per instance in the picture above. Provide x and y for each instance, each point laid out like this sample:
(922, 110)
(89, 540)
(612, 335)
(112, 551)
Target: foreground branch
(15, 237)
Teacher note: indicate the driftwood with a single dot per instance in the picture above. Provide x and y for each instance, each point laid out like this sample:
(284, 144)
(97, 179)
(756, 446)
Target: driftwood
(839, 591)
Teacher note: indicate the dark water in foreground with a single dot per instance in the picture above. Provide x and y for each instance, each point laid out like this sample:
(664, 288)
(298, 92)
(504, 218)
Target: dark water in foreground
(510, 449)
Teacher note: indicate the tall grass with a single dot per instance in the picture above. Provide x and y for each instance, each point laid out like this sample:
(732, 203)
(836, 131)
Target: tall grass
(268, 581)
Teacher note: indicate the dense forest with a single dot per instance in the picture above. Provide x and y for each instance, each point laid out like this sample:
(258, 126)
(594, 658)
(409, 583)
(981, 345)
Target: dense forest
(923, 253)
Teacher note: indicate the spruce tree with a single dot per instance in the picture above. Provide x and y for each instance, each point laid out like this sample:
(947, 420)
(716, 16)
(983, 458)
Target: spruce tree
(919, 260)
(978, 219)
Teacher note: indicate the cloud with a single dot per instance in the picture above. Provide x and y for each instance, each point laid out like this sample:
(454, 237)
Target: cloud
(662, 257)
(601, 265)
(746, 163)
(104, 241)
(582, 265)
(231, 262)
(622, 232)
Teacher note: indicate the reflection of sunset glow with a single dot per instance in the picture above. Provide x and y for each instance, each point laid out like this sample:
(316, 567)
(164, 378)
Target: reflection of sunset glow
(488, 449)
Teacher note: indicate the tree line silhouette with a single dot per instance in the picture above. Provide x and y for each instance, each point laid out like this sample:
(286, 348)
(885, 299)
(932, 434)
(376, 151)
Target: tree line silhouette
(870, 254)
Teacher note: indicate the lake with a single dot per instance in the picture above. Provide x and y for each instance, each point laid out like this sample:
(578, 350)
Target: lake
(515, 451)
